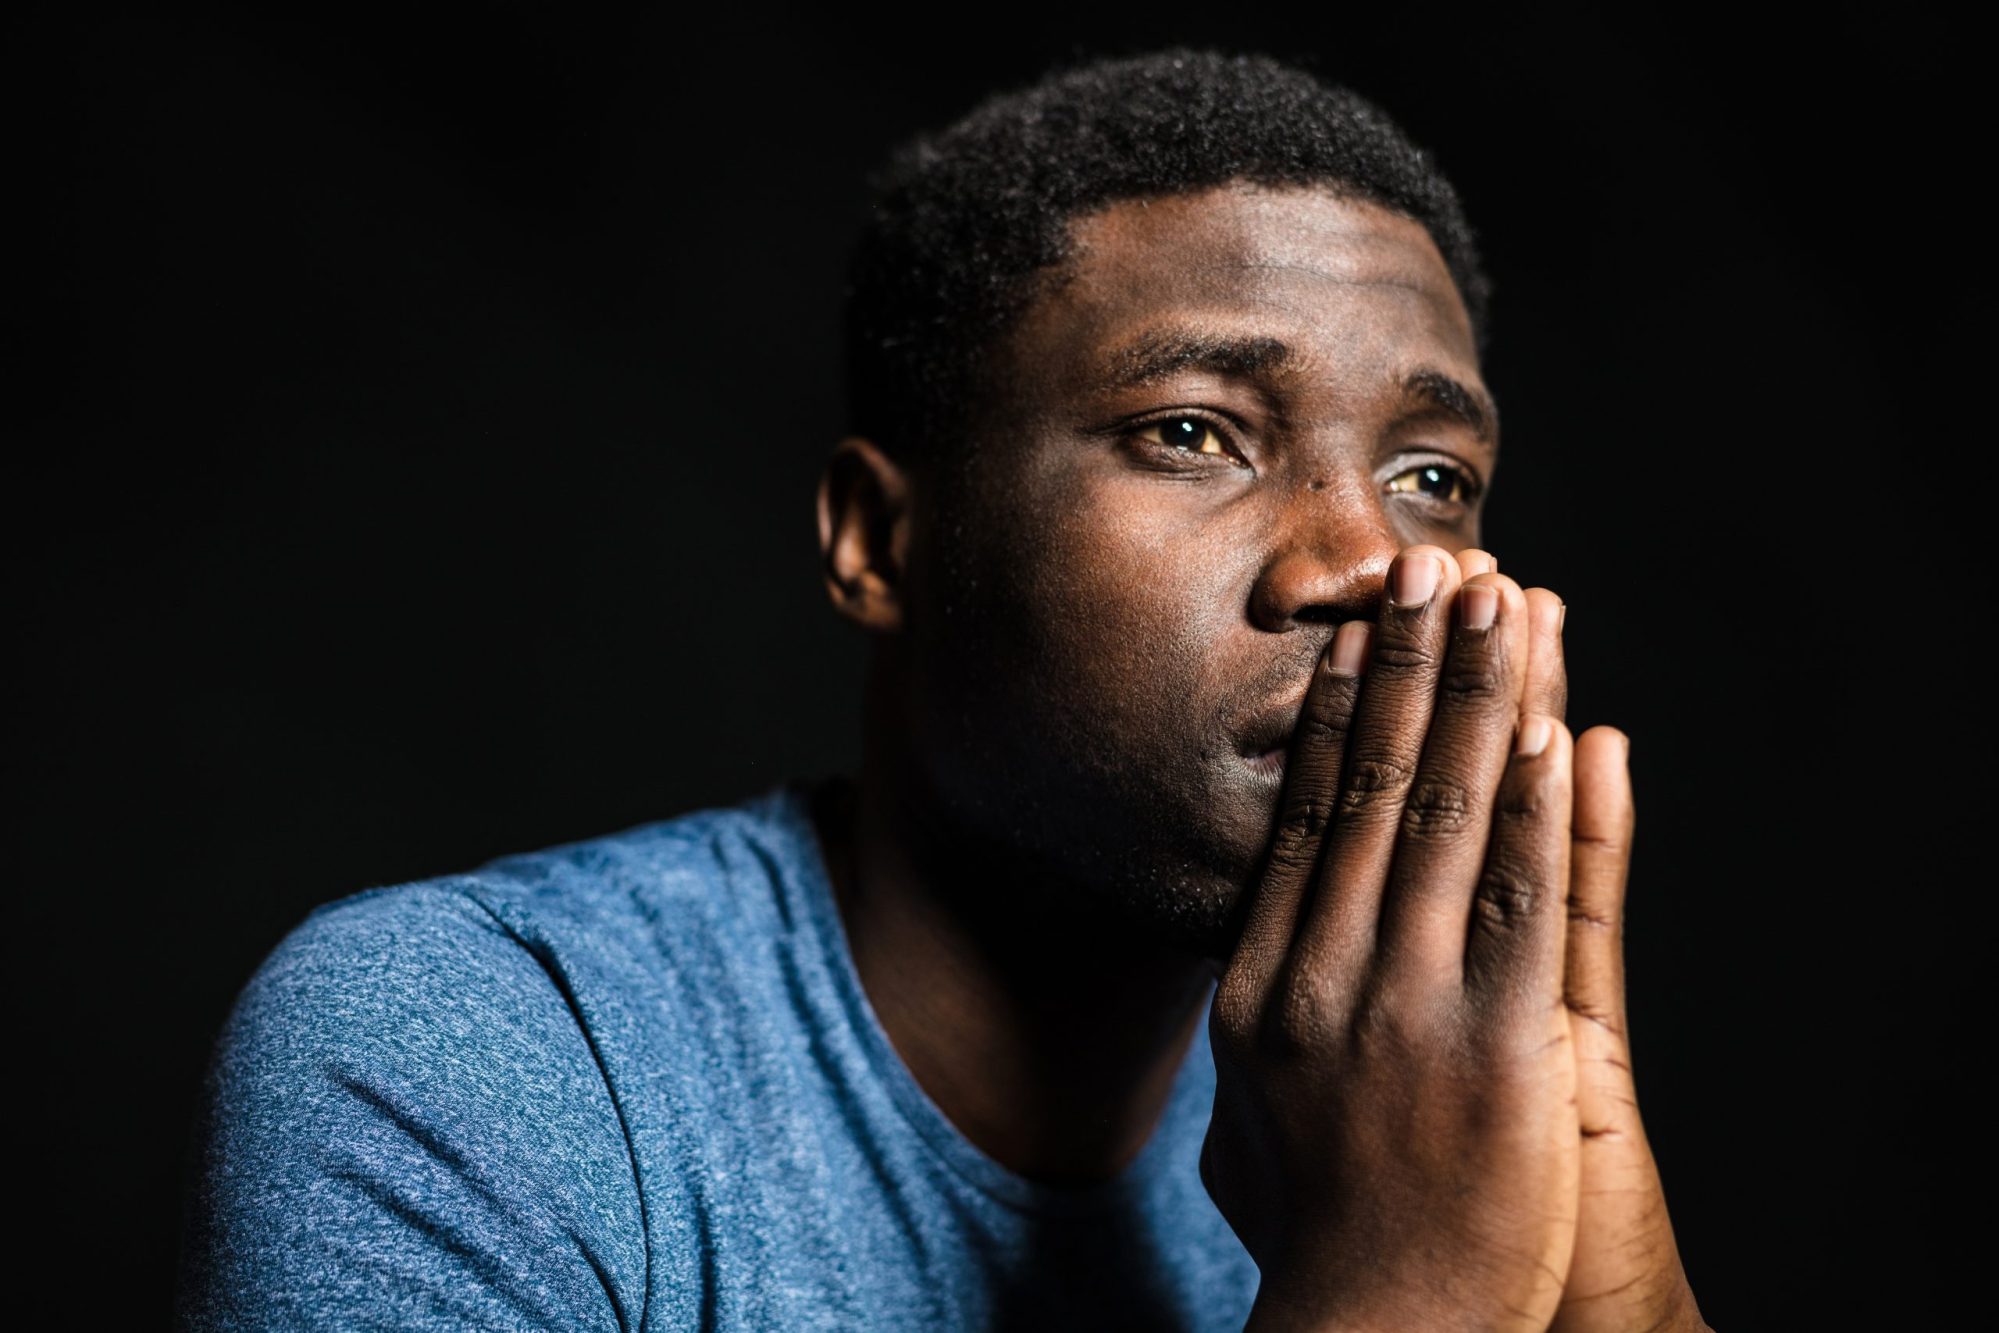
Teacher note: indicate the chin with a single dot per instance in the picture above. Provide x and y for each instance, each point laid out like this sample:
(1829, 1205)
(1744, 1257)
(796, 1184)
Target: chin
(1183, 907)
(1191, 888)
(1167, 861)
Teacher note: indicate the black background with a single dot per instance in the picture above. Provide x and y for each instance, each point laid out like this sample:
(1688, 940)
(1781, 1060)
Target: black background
(417, 465)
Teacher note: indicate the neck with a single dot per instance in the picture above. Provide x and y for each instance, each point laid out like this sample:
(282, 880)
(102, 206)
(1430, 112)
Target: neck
(1050, 1036)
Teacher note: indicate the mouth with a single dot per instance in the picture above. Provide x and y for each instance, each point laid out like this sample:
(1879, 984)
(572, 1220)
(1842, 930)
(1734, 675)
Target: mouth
(1269, 764)
(1266, 743)
(1263, 742)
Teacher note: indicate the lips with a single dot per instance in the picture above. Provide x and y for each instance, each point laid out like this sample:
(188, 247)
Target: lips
(1265, 739)
(1271, 729)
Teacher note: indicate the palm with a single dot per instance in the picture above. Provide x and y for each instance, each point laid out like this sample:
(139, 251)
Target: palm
(1626, 1270)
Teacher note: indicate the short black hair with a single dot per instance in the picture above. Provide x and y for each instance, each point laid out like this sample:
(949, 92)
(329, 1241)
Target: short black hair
(963, 219)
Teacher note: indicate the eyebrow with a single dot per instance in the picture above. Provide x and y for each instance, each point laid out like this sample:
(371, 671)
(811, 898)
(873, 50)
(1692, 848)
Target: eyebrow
(1453, 398)
(1154, 356)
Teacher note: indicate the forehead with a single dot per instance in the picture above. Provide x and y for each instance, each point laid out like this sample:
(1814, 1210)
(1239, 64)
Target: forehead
(1353, 287)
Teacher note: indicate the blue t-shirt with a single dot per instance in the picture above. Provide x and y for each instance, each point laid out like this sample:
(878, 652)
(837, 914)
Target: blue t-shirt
(634, 1083)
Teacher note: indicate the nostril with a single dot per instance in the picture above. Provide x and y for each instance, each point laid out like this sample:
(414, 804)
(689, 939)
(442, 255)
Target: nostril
(1327, 614)
(1316, 577)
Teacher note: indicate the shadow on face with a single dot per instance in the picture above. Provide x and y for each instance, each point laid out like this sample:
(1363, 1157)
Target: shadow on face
(1219, 422)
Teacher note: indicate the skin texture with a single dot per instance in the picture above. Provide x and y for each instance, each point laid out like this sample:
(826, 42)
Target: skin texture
(1056, 842)
(1132, 608)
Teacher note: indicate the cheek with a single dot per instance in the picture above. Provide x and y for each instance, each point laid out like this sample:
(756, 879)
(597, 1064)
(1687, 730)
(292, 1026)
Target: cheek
(1120, 607)
(1081, 660)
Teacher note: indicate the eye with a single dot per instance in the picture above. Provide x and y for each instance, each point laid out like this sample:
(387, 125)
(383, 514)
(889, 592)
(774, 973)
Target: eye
(1439, 481)
(1187, 435)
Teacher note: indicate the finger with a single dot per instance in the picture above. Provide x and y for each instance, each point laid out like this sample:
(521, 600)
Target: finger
(1440, 845)
(1473, 560)
(1338, 919)
(1311, 784)
(1517, 932)
(1600, 862)
(1547, 688)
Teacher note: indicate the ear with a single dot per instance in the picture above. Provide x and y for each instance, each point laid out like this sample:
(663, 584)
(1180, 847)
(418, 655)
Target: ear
(864, 522)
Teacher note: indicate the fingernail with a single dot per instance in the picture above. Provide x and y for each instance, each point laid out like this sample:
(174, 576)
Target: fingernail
(1534, 733)
(1562, 619)
(1478, 605)
(1415, 579)
(1350, 648)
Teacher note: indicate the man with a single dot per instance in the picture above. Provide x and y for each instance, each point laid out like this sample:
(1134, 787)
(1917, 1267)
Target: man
(1222, 930)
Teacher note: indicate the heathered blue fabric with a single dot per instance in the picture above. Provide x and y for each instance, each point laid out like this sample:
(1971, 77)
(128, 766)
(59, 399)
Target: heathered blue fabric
(634, 1083)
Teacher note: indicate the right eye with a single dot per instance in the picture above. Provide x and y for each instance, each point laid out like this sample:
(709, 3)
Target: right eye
(1185, 434)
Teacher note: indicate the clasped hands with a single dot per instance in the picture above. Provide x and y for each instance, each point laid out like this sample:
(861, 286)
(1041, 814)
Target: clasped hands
(1424, 1114)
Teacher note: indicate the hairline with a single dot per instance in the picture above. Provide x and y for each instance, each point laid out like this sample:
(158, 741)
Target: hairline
(991, 391)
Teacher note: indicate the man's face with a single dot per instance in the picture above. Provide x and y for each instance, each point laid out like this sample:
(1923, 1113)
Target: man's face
(1223, 420)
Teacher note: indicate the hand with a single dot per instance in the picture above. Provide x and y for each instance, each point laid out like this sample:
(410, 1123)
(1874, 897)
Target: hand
(1626, 1272)
(1395, 1136)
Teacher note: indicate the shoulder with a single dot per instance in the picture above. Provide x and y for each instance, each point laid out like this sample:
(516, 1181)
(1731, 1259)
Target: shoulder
(402, 1120)
(408, 1106)
(391, 973)
(408, 1112)
(720, 863)
(482, 963)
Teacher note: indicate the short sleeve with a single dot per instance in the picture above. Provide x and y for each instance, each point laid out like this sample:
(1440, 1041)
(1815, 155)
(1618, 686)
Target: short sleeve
(404, 1126)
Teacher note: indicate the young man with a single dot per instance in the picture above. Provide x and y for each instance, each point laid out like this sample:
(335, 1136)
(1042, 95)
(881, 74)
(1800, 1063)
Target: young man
(1222, 930)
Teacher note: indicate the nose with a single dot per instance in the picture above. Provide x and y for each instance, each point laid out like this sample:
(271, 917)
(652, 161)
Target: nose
(1328, 558)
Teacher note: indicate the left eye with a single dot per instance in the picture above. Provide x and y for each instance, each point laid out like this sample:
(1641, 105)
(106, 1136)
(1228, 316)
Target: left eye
(1437, 481)
(1187, 434)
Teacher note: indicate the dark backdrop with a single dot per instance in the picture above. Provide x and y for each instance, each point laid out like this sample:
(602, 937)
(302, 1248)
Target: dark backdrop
(418, 466)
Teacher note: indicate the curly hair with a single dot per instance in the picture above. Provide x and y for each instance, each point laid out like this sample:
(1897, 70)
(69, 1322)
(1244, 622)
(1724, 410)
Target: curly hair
(964, 219)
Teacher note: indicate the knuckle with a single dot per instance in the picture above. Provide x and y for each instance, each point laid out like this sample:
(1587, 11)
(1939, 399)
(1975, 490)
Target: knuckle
(1301, 1020)
(1509, 893)
(1310, 812)
(1323, 725)
(1293, 854)
(1612, 844)
(1525, 802)
(1474, 679)
(1306, 816)
(1384, 1027)
(1584, 917)
(1438, 809)
(1235, 1010)
(1398, 647)
(1598, 1014)
(1374, 782)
